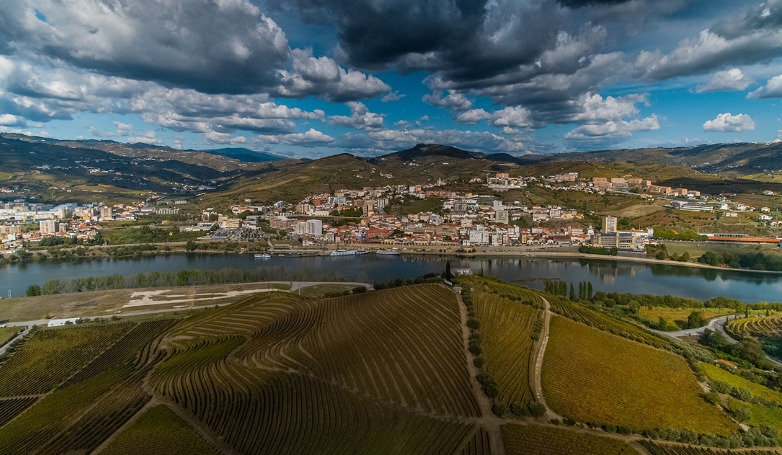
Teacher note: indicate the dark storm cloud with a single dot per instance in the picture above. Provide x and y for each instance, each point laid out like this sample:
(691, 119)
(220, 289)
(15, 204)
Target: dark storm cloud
(212, 46)
(752, 36)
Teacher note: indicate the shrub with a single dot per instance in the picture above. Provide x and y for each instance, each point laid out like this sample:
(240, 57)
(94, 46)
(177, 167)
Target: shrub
(537, 409)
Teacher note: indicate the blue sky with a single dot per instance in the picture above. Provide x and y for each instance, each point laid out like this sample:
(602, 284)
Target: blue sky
(309, 78)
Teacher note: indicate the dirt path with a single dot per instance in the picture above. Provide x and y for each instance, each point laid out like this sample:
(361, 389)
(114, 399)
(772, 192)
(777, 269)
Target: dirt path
(537, 365)
(488, 420)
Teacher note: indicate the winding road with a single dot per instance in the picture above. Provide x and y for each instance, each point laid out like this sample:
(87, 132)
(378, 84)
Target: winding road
(717, 325)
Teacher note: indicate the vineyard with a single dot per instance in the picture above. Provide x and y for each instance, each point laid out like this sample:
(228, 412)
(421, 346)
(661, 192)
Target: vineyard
(376, 372)
(595, 377)
(546, 440)
(86, 407)
(607, 323)
(50, 357)
(159, 430)
(675, 449)
(756, 326)
(383, 370)
(506, 332)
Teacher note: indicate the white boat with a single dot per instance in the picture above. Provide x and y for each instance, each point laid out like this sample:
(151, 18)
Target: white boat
(347, 252)
(262, 256)
(393, 251)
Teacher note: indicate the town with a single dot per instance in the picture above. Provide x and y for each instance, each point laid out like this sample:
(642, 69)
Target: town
(359, 218)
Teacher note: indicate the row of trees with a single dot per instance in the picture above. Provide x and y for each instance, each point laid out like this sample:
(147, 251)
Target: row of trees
(168, 279)
(588, 249)
(744, 260)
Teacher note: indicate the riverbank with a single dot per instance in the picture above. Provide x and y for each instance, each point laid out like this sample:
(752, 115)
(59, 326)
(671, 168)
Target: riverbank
(544, 252)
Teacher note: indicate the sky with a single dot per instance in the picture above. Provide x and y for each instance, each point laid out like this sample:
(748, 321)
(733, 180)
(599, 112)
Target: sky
(311, 78)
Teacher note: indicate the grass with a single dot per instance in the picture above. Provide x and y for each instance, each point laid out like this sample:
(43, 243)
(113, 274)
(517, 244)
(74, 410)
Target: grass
(7, 332)
(159, 430)
(716, 373)
(595, 377)
(545, 440)
(759, 415)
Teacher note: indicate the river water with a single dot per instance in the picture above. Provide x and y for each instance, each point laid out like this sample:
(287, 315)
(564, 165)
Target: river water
(605, 275)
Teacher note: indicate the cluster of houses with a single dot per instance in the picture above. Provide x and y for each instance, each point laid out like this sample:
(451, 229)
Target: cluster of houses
(463, 220)
(71, 220)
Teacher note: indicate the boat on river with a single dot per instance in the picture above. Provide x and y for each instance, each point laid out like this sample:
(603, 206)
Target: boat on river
(393, 251)
(347, 252)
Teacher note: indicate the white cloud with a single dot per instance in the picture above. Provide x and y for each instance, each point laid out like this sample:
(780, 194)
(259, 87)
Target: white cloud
(8, 120)
(150, 137)
(324, 78)
(223, 138)
(732, 79)
(310, 138)
(473, 116)
(512, 116)
(730, 123)
(772, 89)
(619, 129)
(453, 100)
(360, 118)
(123, 128)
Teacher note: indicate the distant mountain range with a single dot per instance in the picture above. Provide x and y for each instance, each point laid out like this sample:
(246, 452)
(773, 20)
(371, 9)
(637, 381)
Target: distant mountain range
(108, 166)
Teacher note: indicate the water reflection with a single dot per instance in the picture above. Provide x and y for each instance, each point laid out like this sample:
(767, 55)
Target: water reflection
(605, 275)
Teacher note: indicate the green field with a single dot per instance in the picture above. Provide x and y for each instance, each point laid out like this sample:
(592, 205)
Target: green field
(7, 332)
(715, 373)
(595, 377)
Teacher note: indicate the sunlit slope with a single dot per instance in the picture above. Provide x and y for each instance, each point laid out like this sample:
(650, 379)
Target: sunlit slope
(595, 377)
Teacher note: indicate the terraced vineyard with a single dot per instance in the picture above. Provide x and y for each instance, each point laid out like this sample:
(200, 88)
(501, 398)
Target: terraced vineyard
(592, 376)
(91, 404)
(506, 333)
(377, 372)
(756, 326)
(545, 440)
(50, 357)
(381, 368)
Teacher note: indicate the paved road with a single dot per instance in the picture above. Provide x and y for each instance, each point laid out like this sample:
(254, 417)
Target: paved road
(717, 325)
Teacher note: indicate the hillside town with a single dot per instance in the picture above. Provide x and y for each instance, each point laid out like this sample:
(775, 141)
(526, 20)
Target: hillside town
(359, 217)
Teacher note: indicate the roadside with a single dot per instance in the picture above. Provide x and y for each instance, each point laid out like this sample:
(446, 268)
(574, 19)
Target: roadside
(717, 325)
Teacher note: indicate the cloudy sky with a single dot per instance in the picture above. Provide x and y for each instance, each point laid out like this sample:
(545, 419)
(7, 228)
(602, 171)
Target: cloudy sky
(309, 78)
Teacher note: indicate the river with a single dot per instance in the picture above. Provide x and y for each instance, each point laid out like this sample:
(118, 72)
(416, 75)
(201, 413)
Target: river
(605, 275)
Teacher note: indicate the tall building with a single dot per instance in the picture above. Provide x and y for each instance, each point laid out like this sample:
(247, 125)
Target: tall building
(609, 225)
(48, 226)
(314, 228)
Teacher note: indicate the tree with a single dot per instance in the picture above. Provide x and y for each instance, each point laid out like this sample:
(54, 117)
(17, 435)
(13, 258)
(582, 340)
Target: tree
(190, 245)
(750, 350)
(448, 276)
(572, 292)
(33, 290)
(695, 320)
